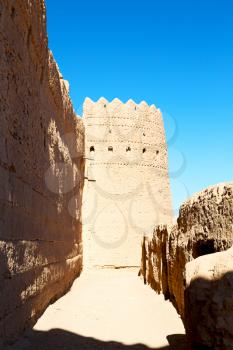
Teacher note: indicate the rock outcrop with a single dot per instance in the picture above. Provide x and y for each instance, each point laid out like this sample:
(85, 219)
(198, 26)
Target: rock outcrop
(41, 171)
(204, 226)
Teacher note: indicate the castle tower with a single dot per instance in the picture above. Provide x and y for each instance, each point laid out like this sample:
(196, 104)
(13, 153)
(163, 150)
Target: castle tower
(127, 191)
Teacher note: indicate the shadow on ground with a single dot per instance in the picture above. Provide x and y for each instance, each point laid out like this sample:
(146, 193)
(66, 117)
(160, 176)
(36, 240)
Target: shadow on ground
(58, 339)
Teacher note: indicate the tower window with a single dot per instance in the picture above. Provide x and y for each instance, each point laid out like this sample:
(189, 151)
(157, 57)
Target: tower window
(92, 149)
(110, 149)
(128, 149)
(157, 152)
(144, 150)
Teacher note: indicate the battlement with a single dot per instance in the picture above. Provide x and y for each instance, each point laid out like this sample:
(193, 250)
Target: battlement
(103, 101)
(103, 108)
(124, 133)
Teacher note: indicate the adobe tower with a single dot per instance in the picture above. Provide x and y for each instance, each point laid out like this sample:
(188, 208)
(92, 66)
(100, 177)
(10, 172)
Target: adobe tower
(127, 190)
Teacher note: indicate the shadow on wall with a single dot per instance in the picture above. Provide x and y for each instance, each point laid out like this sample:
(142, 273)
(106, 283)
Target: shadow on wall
(209, 312)
(62, 340)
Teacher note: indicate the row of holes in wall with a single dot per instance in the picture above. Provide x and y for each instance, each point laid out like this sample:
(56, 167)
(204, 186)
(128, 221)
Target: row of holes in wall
(128, 149)
(134, 107)
(110, 131)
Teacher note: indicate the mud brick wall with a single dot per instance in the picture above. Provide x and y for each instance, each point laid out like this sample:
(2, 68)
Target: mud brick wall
(41, 171)
(127, 187)
(204, 227)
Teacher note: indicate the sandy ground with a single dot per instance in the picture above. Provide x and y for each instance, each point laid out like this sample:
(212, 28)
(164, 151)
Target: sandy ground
(107, 309)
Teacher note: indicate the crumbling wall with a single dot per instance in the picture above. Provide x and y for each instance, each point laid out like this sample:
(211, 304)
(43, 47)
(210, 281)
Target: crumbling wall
(209, 302)
(127, 188)
(41, 171)
(154, 267)
(204, 226)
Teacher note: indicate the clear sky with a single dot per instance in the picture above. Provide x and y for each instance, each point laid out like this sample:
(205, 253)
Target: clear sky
(177, 54)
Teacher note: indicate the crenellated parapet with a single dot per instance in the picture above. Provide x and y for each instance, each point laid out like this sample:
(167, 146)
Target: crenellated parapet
(134, 132)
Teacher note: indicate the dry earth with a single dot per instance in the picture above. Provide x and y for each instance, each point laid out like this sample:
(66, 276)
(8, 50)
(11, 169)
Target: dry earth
(107, 309)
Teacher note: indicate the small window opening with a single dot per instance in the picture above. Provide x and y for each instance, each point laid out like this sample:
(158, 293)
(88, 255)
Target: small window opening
(144, 134)
(144, 150)
(105, 106)
(92, 149)
(157, 152)
(110, 149)
(110, 131)
(128, 149)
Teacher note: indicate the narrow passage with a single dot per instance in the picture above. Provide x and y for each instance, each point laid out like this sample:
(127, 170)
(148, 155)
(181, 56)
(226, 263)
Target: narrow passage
(107, 309)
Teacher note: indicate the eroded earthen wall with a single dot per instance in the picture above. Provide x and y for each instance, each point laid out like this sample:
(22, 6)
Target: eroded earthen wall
(204, 226)
(41, 166)
(127, 189)
(209, 302)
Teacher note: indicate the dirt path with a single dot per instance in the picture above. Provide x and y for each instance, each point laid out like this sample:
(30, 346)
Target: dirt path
(107, 309)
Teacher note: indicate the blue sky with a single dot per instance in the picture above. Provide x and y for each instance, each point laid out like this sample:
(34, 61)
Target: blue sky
(175, 54)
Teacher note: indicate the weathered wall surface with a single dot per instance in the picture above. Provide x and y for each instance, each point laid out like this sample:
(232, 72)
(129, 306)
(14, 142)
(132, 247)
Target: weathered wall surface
(204, 226)
(154, 264)
(41, 165)
(209, 302)
(127, 180)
